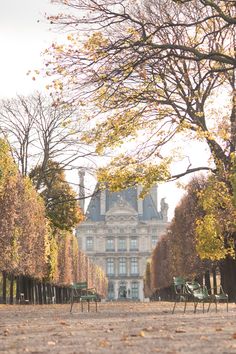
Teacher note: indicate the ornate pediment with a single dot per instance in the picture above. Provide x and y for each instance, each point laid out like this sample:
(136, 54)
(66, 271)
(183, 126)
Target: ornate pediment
(121, 208)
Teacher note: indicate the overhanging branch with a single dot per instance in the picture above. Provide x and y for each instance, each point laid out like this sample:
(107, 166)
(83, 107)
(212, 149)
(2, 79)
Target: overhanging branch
(191, 170)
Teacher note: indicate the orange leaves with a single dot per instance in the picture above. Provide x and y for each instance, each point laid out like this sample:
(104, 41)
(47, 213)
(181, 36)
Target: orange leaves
(28, 243)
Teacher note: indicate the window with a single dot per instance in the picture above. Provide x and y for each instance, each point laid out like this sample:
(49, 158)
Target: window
(111, 293)
(110, 244)
(110, 266)
(134, 265)
(133, 243)
(122, 266)
(134, 290)
(154, 241)
(122, 244)
(89, 243)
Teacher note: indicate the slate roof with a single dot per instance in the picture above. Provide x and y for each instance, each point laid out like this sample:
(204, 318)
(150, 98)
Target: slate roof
(150, 212)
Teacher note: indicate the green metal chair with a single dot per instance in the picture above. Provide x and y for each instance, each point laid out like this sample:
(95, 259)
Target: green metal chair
(180, 292)
(81, 292)
(198, 293)
(220, 296)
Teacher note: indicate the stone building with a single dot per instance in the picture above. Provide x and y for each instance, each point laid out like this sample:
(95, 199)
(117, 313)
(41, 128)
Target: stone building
(119, 234)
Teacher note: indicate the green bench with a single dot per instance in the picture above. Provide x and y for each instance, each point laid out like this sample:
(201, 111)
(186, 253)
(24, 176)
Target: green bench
(81, 292)
(192, 291)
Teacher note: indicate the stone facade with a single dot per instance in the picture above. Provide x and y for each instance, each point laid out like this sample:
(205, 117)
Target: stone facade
(119, 235)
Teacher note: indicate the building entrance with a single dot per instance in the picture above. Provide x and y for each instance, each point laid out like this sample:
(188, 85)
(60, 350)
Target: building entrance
(122, 291)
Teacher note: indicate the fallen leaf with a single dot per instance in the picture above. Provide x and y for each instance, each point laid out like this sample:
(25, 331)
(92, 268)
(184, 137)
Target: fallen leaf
(51, 343)
(6, 332)
(103, 343)
(180, 330)
(204, 338)
(142, 334)
(64, 323)
(148, 329)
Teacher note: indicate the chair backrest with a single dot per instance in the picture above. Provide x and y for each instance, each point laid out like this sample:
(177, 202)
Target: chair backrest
(179, 285)
(178, 281)
(79, 286)
(194, 288)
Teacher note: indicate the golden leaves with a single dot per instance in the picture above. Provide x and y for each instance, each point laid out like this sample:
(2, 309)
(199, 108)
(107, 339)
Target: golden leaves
(218, 222)
(125, 171)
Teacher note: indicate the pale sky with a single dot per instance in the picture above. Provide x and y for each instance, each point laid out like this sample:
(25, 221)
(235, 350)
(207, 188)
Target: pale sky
(24, 34)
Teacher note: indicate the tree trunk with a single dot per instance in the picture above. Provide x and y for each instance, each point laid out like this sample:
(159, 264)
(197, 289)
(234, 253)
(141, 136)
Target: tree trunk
(12, 278)
(44, 294)
(18, 288)
(208, 281)
(214, 280)
(40, 293)
(4, 287)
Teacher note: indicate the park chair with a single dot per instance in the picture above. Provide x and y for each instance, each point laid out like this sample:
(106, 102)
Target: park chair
(198, 293)
(180, 292)
(82, 293)
(220, 296)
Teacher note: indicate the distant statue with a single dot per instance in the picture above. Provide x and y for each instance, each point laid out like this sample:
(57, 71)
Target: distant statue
(164, 208)
(120, 201)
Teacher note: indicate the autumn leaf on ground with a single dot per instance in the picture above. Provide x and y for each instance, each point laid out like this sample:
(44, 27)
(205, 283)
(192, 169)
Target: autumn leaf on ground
(103, 343)
(64, 323)
(51, 343)
(142, 334)
(180, 330)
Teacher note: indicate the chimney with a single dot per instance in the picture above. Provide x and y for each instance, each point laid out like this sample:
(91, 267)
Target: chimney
(81, 188)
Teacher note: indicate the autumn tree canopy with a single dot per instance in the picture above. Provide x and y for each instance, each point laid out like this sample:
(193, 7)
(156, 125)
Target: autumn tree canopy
(150, 72)
(62, 208)
(30, 245)
(177, 251)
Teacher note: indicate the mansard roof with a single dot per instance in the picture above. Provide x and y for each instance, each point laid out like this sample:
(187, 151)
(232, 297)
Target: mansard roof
(130, 197)
(121, 207)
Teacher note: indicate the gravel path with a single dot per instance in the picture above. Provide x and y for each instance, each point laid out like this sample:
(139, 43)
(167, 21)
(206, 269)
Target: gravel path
(116, 328)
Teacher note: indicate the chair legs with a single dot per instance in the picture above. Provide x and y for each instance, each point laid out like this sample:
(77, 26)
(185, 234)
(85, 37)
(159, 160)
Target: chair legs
(195, 306)
(174, 308)
(227, 305)
(88, 304)
(71, 303)
(185, 304)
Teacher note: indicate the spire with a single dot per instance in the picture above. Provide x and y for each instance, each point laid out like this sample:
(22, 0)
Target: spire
(81, 173)
(164, 209)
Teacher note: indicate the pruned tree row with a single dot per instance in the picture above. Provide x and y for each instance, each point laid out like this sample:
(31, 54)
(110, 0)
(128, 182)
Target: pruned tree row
(187, 250)
(38, 261)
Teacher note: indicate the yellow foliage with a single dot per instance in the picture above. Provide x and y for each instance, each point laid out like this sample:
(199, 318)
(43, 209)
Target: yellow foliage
(125, 171)
(214, 230)
(7, 166)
